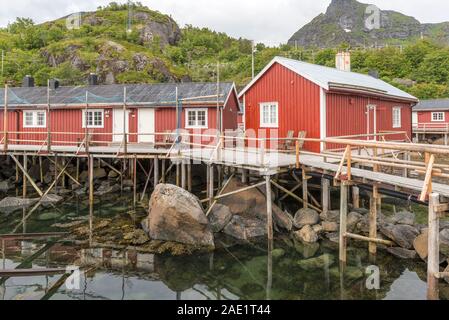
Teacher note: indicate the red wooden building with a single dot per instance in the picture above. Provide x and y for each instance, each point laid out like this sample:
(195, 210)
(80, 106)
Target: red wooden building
(431, 115)
(151, 108)
(290, 95)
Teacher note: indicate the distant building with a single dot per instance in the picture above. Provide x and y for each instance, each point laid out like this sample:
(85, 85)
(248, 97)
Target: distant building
(431, 119)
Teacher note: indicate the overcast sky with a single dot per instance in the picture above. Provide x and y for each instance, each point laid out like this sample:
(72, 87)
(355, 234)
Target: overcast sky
(268, 21)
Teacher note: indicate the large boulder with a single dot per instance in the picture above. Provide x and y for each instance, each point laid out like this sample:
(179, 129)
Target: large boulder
(5, 186)
(245, 229)
(11, 204)
(282, 219)
(219, 217)
(320, 262)
(420, 244)
(177, 215)
(403, 217)
(306, 217)
(331, 216)
(403, 235)
(402, 253)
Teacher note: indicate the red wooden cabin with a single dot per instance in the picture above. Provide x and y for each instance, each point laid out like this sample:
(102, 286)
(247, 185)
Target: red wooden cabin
(290, 95)
(431, 115)
(151, 108)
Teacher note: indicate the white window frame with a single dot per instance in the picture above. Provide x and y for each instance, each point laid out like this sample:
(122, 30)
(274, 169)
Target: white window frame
(196, 125)
(397, 124)
(435, 117)
(93, 111)
(269, 123)
(34, 118)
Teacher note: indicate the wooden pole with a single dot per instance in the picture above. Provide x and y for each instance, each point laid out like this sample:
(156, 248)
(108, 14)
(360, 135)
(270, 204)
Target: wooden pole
(90, 160)
(244, 176)
(269, 209)
(183, 175)
(5, 120)
(125, 138)
(325, 195)
(163, 170)
(25, 171)
(356, 197)
(56, 172)
(373, 220)
(433, 259)
(211, 184)
(189, 176)
(49, 118)
(134, 175)
(343, 220)
(305, 191)
(41, 170)
(156, 171)
(178, 183)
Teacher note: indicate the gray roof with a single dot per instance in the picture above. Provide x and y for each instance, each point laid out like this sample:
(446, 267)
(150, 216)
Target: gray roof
(148, 94)
(326, 77)
(432, 105)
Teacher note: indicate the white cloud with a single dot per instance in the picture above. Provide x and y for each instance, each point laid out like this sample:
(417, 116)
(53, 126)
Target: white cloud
(267, 21)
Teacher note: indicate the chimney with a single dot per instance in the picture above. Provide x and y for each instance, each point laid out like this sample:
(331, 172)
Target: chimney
(92, 80)
(28, 81)
(54, 84)
(343, 61)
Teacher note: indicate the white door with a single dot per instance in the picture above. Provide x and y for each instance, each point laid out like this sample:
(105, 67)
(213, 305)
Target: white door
(146, 125)
(118, 125)
(415, 119)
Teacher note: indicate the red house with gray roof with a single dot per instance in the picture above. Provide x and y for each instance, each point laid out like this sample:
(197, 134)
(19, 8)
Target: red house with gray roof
(290, 95)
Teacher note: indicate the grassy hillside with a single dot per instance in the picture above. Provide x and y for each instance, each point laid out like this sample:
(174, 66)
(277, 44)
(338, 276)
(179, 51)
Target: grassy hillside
(157, 50)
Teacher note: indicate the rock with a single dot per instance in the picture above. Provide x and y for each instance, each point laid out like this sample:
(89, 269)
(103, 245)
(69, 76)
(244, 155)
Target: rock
(48, 216)
(402, 253)
(316, 263)
(420, 244)
(307, 235)
(5, 186)
(112, 174)
(333, 237)
(11, 204)
(403, 235)
(248, 204)
(353, 219)
(282, 219)
(107, 187)
(403, 217)
(350, 273)
(329, 226)
(68, 225)
(177, 215)
(306, 217)
(137, 237)
(278, 253)
(307, 250)
(128, 183)
(51, 198)
(236, 228)
(318, 228)
(444, 242)
(100, 173)
(447, 271)
(330, 216)
(219, 217)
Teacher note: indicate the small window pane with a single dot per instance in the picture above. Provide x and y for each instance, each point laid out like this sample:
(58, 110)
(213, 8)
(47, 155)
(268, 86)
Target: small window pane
(41, 119)
(29, 119)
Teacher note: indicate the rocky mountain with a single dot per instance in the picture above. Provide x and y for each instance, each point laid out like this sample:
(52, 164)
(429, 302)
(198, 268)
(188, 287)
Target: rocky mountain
(358, 24)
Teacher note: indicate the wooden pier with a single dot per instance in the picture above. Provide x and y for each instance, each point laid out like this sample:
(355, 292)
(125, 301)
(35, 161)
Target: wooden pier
(258, 162)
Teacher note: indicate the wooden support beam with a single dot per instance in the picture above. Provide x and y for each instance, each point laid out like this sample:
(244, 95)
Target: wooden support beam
(30, 272)
(219, 194)
(64, 171)
(90, 160)
(342, 162)
(373, 220)
(210, 168)
(156, 171)
(183, 175)
(343, 221)
(189, 176)
(285, 196)
(325, 195)
(294, 196)
(25, 173)
(135, 179)
(356, 197)
(369, 239)
(427, 188)
(269, 208)
(163, 171)
(305, 191)
(433, 258)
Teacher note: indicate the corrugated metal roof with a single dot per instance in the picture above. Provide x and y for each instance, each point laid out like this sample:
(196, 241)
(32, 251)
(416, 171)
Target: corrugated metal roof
(151, 94)
(326, 77)
(431, 105)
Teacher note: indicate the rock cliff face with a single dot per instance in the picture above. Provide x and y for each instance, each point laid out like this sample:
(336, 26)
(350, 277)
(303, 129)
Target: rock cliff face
(359, 24)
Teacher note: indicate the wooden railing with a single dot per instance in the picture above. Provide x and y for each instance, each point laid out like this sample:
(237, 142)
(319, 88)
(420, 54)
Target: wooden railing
(442, 127)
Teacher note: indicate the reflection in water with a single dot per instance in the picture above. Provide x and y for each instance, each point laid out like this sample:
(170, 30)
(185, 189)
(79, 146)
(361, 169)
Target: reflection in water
(283, 270)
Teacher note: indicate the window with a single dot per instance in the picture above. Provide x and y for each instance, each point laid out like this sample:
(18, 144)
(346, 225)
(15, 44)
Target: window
(34, 119)
(397, 117)
(196, 118)
(93, 119)
(438, 116)
(269, 115)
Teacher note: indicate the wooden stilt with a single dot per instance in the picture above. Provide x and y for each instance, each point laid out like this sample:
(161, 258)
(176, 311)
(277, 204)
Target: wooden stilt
(305, 191)
(269, 208)
(41, 170)
(63, 175)
(77, 169)
(156, 171)
(373, 220)
(134, 173)
(325, 195)
(356, 197)
(343, 220)
(56, 173)
(189, 176)
(90, 161)
(210, 168)
(178, 175)
(163, 170)
(433, 259)
(244, 176)
(183, 175)
(25, 171)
